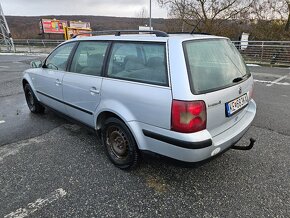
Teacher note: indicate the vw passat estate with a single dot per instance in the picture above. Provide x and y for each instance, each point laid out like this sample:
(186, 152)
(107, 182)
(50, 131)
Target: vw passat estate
(184, 96)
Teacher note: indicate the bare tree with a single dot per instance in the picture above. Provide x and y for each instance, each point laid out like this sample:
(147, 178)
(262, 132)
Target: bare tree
(269, 10)
(142, 16)
(209, 14)
(288, 20)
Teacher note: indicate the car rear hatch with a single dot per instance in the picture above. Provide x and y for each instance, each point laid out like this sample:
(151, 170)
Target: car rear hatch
(219, 77)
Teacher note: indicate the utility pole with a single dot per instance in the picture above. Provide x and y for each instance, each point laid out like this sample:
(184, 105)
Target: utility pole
(5, 35)
(150, 12)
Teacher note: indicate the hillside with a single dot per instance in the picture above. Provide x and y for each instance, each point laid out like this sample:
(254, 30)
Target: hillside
(28, 27)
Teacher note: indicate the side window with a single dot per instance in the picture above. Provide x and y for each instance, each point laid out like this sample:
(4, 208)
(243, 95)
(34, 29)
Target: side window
(141, 62)
(58, 59)
(89, 58)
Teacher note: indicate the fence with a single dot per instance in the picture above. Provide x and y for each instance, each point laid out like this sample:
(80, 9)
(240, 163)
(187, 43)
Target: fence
(33, 45)
(275, 53)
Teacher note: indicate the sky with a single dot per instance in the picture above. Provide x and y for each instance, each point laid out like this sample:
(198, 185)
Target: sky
(118, 8)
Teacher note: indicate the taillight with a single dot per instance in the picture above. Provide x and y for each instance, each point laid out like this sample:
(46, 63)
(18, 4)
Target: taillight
(188, 116)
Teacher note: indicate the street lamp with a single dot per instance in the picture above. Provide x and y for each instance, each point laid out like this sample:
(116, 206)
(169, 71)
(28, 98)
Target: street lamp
(150, 12)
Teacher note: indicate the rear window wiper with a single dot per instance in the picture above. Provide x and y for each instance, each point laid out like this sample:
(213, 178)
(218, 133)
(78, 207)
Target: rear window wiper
(238, 79)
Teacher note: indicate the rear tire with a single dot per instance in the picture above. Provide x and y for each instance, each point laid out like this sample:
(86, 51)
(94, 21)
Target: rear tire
(120, 145)
(32, 102)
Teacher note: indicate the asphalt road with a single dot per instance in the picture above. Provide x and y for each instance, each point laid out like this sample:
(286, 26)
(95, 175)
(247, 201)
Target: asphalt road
(50, 167)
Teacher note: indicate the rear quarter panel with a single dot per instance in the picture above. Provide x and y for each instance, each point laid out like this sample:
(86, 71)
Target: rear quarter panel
(178, 71)
(134, 101)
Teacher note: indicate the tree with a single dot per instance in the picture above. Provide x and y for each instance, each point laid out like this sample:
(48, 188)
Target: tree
(208, 15)
(288, 20)
(271, 20)
(142, 16)
(269, 10)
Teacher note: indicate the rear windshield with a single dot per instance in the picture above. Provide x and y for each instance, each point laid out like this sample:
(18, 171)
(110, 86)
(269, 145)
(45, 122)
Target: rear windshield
(213, 64)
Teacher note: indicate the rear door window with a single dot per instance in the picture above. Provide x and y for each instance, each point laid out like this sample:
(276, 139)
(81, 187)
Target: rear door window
(213, 64)
(89, 58)
(140, 62)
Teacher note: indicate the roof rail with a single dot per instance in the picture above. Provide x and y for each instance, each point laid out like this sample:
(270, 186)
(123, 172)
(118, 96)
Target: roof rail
(118, 32)
(202, 33)
(179, 33)
(191, 33)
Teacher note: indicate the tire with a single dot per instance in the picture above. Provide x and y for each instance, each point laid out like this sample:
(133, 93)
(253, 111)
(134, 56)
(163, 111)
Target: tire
(32, 102)
(120, 145)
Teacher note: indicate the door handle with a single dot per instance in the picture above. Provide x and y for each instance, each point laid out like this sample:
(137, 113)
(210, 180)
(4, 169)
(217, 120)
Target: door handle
(93, 91)
(58, 82)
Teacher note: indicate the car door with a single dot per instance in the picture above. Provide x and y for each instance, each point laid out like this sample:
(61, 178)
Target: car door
(82, 84)
(48, 81)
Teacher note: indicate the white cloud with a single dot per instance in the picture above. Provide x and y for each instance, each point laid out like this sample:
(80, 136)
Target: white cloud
(123, 8)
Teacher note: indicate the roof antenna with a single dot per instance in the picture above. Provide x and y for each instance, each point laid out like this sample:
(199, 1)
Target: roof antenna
(194, 28)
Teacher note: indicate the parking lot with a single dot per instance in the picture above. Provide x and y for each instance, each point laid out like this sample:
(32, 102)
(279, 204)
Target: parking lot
(51, 167)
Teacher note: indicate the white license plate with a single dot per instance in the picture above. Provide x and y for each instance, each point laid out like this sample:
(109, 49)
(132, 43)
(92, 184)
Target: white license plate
(237, 104)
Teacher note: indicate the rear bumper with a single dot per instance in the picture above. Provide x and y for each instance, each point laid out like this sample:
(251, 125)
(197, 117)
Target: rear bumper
(194, 147)
(178, 142)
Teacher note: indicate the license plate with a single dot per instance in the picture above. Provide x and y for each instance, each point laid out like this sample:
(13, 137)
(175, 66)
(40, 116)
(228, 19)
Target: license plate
(237, 104)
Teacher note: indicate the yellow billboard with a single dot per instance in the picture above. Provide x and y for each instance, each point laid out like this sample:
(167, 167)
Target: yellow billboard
(70, 32)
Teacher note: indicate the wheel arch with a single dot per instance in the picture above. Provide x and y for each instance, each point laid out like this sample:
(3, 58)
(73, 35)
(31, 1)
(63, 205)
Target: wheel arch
(102, 116)
(114, 108)
(105, 115)
(24, 82)
(27, 80)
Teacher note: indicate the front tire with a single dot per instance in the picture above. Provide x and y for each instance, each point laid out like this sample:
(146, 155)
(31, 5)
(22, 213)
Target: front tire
(32, 102)
(121, 147)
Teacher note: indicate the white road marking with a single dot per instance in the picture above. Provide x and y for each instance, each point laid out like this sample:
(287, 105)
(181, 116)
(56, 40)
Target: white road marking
(14, 148)
(253, 65)
(25, 54)
(38, 204)
(2, 121)
(266, 75)
(270, 82)
(4, 67)
(277, 80)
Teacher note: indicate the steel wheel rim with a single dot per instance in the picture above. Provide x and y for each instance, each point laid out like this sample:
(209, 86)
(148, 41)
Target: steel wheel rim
(117, 142)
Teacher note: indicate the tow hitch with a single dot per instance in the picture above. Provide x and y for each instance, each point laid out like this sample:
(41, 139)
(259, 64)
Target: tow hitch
(244, 148)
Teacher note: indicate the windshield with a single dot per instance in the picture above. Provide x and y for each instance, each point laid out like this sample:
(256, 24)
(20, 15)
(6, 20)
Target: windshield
(213, 64)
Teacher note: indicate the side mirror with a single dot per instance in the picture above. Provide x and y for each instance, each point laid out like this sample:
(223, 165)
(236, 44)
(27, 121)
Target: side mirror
(36, 64)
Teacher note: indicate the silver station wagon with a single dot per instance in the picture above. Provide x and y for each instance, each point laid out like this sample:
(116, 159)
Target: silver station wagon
(183, 96)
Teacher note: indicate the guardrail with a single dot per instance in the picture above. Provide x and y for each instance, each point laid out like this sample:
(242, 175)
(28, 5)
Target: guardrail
(33, 45)
(275, 53)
